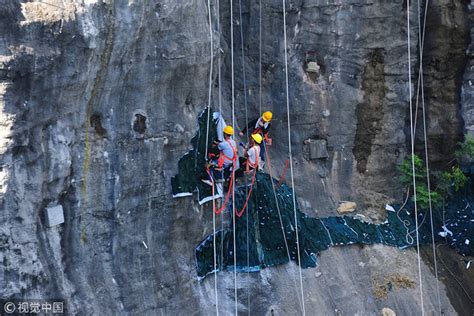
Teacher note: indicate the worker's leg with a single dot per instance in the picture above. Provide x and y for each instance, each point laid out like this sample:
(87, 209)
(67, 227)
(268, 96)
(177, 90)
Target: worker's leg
(263, 149)
(240, 172)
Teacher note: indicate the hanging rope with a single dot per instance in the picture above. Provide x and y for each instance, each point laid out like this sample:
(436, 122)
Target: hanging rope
(233, 169)
(291, 156)
(239, 214)
(207, 145)
(277, 203)
(220, 110)
(413, 158)
(260, 56)
(421, 38)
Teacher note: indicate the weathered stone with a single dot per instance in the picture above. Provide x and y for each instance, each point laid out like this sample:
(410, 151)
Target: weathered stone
(66, 62)
(388, 312)
(312, 67)
(317, 149)
(54, 215)
(346, 207)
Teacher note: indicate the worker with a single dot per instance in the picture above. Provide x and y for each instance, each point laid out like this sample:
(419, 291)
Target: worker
(260, 126)
(251, 157)
(227, 157)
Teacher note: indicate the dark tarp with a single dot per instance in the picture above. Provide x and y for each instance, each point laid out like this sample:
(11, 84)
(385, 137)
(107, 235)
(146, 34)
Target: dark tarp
(191, 165)
(266, 244)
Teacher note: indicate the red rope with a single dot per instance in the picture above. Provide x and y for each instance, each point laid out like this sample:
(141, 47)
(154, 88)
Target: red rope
(239, 214)
(282, 178)
(227, 195)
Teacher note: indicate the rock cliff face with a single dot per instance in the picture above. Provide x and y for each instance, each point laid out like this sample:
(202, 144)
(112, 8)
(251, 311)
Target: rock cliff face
(99, 100)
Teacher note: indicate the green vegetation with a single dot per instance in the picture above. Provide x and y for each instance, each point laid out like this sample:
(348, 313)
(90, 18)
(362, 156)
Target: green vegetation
(422, 192)
(466, 148)
(447, 181)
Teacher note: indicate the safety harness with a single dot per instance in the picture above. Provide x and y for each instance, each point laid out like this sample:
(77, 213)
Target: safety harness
(223, 158)
(220, 164)
(254, 165)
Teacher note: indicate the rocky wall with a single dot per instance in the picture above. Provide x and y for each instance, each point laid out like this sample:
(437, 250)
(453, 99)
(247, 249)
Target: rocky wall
(99, 100)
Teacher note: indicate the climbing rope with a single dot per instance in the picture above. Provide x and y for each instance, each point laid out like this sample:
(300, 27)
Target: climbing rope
(260, 55)
(413, 158)
(233, 168)
(207, 145)
(220, 109)
(421, 38)
(405, 222)
(291, 156)
(277, 203)
(283, 175)
(239, 214)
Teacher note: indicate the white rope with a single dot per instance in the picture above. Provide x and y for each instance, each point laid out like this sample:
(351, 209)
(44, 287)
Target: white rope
(270, 171)
(412, 157)
(428, 182)
(405, 222)
(207, 145)
(260, 56)
(220, 111)
(246, 123)
(291, 156)
(233, 169)
(219, 55)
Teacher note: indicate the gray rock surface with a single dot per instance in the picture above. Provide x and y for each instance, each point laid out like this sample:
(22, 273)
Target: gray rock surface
(99, 100)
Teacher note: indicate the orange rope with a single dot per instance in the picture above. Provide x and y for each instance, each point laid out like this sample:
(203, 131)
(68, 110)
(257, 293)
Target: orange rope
(283, 175)
(241, 212)
(227, 194)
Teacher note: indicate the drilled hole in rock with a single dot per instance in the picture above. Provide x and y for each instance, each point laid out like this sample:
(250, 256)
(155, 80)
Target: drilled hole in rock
(139, 124)
(189, 99)
(96, 123)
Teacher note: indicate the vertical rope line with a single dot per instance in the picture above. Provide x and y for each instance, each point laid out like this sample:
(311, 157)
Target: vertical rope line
(247, 132)
(207, 145)
(233, 168)
(413, 158)
(210, 78)
(428, 180)
(219, 55)
(260, 56)
(220, 110)
(270, 171)
(291, 156)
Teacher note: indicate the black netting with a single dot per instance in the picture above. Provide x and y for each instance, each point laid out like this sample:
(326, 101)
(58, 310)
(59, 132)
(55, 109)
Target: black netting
(266, 244)
(259, 233)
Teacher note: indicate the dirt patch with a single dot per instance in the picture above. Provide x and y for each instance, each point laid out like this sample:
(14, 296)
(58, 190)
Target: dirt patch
(370, 112)
(49, 12)
(373, 204)
(382, 285)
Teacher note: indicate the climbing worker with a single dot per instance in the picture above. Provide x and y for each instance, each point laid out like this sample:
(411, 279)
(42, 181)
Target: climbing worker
(260, 126)
(251, 157)
(227, 158)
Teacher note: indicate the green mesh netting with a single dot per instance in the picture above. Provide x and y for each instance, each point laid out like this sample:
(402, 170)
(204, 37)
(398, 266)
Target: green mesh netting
(260, 235)
(266, 243)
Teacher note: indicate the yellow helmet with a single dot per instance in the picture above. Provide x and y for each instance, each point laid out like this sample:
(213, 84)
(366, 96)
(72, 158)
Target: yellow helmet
(257, 138)
(229, 130)
(267, 116)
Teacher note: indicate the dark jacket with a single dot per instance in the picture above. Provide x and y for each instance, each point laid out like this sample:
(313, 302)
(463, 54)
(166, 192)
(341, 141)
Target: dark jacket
(251, 127)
